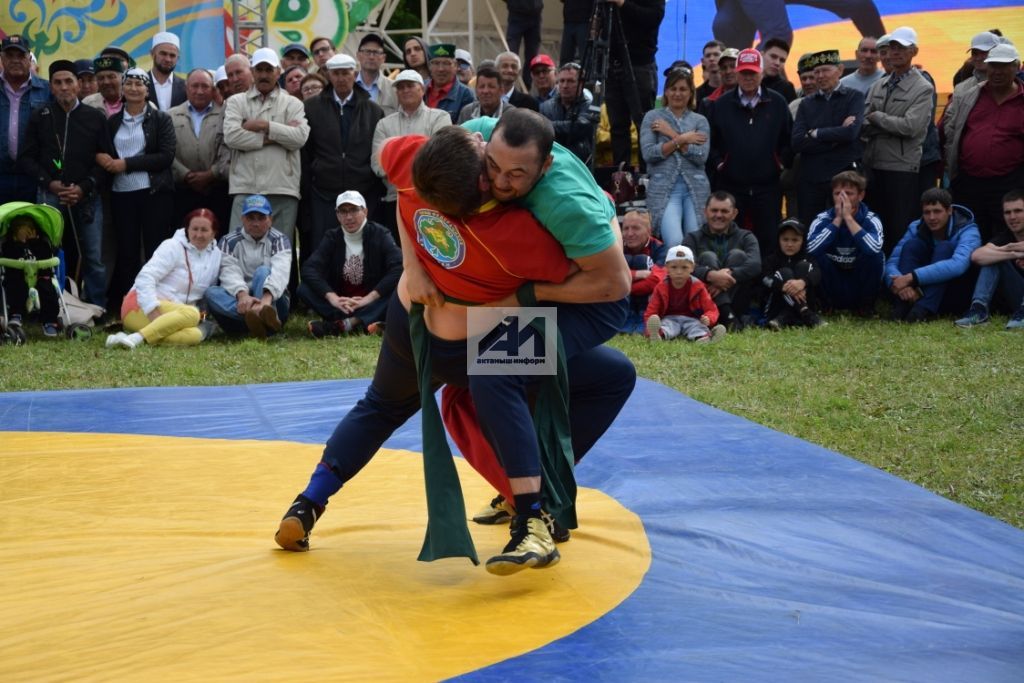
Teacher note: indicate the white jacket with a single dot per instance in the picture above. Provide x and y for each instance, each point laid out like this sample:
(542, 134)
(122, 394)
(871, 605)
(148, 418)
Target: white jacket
(177, 272)
(274, 167)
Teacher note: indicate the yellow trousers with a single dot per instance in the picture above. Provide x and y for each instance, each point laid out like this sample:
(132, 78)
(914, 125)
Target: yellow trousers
(176, 325)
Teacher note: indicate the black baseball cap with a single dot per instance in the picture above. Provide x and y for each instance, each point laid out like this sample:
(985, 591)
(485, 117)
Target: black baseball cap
(17, 42)
(84, 66)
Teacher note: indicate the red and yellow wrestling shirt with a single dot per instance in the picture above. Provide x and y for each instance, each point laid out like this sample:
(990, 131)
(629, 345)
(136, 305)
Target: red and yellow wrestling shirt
(482, 258)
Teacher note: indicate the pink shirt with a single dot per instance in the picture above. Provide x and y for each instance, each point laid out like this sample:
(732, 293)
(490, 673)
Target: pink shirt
(14, 117)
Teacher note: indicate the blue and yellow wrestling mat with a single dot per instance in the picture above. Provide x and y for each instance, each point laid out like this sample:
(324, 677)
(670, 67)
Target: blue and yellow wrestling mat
(136, 543)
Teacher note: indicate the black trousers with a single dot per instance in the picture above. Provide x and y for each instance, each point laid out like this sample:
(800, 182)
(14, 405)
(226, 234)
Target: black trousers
(142, 220)
(894, 197)
(984, 197)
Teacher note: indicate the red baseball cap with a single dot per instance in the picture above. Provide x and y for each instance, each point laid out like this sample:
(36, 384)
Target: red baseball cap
(749, 60)
(542, 60)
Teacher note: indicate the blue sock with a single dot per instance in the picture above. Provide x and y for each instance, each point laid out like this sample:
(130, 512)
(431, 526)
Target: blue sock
(322, 485)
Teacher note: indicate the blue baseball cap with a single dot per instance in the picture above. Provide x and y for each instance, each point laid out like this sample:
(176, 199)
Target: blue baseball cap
(256, 203)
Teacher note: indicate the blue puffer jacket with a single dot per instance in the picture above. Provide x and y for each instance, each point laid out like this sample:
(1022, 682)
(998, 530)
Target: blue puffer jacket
(38, 94)
(961, 231)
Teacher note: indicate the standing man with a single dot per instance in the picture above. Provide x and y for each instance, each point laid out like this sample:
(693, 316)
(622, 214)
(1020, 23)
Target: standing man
(574, 128)
(412, 118)
(575, 29)
(751, 138)
(867, 72)
(728, 80)
(826, 134)
(239, 74)
(542, 69)
(709, 68)
(201, 159)
(322, 49)
(109, 71)
(336, 157)
(371, 59)
(59, 151)
(464, 68)
(984, 128)
(640, 20)
(20, 93)
(86, 78)
(488, 97)
(896, 119)
(524, 18)
(509, 66)
(776, 52)
(444, 91)
(265, 128)
(165, 89)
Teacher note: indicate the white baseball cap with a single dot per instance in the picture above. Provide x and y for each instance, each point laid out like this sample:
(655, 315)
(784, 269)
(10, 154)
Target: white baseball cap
(904, 35)
(463, 56)
(166, 37)
(1004, 53)
(410, 75)
(221, 75)
(679, 253)
(883, 40)
(984, 41)
(265, 55)
(350, 197)
(340, 61)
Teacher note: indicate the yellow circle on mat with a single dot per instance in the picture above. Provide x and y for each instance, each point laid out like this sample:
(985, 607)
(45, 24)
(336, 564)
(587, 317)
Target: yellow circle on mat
(152, 558)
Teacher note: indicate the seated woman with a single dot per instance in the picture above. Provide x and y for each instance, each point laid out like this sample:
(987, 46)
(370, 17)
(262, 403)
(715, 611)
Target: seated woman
(349, 279)
(162, 307)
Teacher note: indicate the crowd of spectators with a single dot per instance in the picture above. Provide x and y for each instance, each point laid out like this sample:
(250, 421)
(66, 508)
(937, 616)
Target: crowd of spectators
(279, 150)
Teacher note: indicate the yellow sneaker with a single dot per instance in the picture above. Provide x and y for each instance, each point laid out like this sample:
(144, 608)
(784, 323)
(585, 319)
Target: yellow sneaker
(498, 511)
(531, 546)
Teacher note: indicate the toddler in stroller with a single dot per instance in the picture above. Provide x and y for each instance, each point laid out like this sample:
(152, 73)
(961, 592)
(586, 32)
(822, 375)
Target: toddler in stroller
(29, 234)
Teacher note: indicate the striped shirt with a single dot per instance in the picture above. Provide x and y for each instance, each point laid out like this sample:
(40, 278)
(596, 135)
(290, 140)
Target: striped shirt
(130, 141)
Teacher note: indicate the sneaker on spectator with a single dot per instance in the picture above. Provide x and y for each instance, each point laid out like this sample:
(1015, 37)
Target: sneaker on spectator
(51, 330)
(531, 546)
(1016, 321)
(810, 318)
(293, 531)
(498, 511)
(376, 329)
(775, 324)
(268, 314)
(717, 332)
(654, 328)
(977, 314)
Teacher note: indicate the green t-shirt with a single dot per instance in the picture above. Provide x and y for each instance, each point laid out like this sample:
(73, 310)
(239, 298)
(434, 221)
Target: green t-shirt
(567, 200)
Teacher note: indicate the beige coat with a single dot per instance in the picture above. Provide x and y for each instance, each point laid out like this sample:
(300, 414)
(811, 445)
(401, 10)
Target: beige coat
(271, 163)
(204, 153)
(425, 121)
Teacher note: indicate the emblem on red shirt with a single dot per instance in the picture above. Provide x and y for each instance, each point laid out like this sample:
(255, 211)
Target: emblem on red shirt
(440, 238)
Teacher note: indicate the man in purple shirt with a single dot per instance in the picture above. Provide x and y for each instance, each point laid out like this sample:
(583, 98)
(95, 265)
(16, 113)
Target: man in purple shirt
(20, 93)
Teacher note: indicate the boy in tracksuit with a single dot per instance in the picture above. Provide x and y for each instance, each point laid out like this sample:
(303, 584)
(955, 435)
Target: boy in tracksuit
(791, 279)
(846, 244)
(680, 305)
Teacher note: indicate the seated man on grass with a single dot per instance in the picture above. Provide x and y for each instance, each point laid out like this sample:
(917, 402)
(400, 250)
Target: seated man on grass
(1002, 269)
(929, 268)
(728, 258)
(253, 291)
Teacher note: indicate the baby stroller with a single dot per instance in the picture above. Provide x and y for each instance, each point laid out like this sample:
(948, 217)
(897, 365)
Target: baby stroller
(51, 228)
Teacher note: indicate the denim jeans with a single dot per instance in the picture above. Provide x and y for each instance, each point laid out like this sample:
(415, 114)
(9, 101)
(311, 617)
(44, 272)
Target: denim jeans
(224, 306)
(83, 244)
(680, 217)
(1003, 278)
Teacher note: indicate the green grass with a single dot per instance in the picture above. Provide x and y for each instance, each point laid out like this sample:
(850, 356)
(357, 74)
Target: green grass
(937, 406)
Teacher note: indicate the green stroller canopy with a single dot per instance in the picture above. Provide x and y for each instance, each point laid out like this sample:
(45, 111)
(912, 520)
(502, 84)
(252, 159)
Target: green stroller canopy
(49, 219)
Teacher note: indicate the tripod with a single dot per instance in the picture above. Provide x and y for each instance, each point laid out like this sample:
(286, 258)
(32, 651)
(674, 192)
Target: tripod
(595, 61)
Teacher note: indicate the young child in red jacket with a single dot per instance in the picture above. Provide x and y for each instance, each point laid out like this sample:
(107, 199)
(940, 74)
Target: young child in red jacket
(680, 305)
